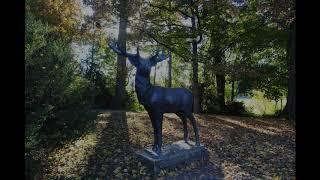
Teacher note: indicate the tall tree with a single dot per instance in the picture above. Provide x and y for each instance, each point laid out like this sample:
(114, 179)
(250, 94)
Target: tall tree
(217, 26)
(195, 65)
(170, 66)
(121, 60)
(282, 15)
(122, 9)
(290, 108)
(170, 70)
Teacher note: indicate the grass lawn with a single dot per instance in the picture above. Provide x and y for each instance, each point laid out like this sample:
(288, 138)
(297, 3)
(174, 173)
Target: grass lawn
(260, 106)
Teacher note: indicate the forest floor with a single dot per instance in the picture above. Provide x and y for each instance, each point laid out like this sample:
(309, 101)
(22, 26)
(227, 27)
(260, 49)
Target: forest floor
(239, 148)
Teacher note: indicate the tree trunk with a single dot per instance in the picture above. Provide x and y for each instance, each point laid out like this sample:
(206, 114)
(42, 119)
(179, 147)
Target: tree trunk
(292, 76)
(121, 60)
(232, 90)
(290, 107)
(221, 81)
(92, 54)
(155, 74)
(204, 85)
(170, 70)
(170, 64)
(195, 81)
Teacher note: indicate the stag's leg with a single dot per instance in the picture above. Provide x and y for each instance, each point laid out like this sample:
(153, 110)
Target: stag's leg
(183, 117)
(195, 128)
(153, 121)
(157, 118)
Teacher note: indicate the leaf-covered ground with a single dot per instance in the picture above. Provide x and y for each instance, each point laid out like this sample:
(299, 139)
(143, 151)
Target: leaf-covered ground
(239, 148)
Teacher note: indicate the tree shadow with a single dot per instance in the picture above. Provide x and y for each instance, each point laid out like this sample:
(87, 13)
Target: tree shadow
(257, 151)
(109, 151)
(113, 147)
(122, 134)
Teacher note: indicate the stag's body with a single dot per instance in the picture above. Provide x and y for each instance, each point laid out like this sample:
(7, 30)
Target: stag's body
(159, 100)
(169, 100)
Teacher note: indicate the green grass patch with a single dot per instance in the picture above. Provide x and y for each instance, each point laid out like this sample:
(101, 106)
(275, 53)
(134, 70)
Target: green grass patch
(261, 106)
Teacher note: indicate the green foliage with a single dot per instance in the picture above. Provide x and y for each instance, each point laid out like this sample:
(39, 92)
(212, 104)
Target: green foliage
(63, 16)
(179, 77)
(227, 92)
(258, 105)
(133, 103)
(99, 67)
(35, 32)
(52, 83)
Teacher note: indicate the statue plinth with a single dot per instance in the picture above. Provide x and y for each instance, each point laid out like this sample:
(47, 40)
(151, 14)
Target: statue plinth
(172, 155)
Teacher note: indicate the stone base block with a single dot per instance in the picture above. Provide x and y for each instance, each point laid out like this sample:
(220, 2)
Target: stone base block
(172, 155)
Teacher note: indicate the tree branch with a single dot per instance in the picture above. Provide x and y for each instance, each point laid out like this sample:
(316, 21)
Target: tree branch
(178, 25)
(235, 40)
(199, 25)
(167, 24)
(165, 45)
(171, 10)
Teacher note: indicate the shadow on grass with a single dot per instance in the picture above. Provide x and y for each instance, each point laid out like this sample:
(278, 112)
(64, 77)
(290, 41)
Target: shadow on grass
(108, 151)
(69, 126)
(112, 154)
(256, 150)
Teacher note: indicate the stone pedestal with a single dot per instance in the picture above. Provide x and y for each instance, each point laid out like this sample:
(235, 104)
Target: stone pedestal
(172, 155)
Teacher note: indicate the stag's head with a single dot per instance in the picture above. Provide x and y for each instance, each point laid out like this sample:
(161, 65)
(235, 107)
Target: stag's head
(143, 65)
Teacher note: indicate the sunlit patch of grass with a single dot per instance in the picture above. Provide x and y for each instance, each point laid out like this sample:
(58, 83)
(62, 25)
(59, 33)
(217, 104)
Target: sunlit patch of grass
(261, 106)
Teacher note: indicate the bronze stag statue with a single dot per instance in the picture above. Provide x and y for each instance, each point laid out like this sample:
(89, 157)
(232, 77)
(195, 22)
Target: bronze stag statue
(159, 100)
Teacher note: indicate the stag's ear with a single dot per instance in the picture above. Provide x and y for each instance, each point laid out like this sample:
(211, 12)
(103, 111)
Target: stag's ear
(153, 59)
(158, 58)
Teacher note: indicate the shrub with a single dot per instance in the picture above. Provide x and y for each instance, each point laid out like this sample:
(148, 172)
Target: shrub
(133, 103)
(53, 87)
(235, 108)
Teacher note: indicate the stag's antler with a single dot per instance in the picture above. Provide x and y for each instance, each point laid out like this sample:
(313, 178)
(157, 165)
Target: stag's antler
(115, 47)
(158, 57)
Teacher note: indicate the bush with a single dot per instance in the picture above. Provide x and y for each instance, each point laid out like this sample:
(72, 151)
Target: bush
(54, 90)
(57, 96)
(236, 108)
(210, 104)
(133, 103)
